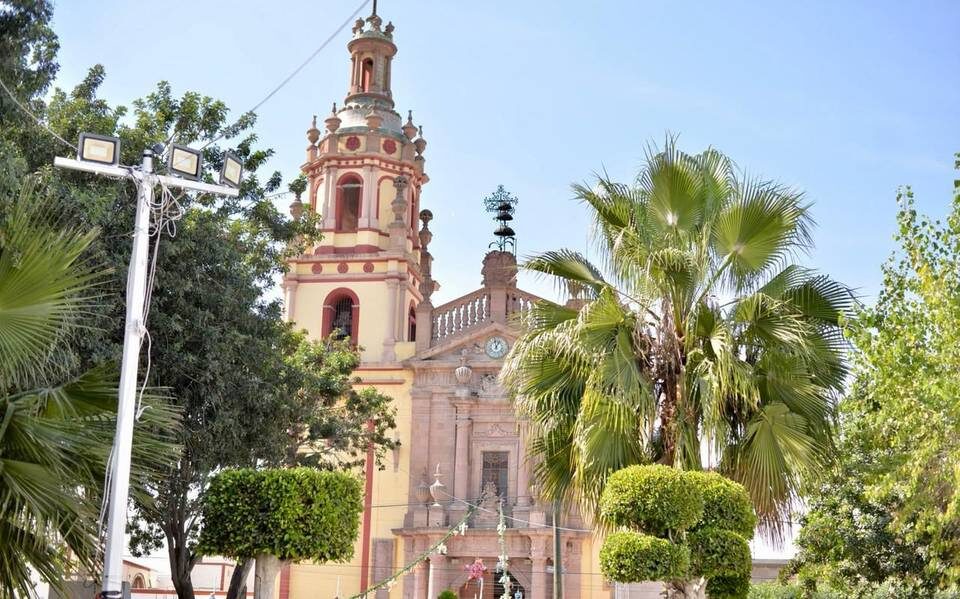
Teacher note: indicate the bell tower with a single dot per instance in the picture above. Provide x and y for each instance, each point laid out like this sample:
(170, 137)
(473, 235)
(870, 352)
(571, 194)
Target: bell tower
(366, 277)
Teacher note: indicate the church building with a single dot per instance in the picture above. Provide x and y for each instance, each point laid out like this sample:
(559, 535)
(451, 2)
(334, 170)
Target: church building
(462, 453)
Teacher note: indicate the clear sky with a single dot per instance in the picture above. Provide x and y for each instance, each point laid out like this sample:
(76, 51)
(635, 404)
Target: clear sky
(845, 100)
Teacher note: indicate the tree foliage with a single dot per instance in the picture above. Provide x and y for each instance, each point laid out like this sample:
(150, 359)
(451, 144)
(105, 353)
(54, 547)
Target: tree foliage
(661, 504)
(889, 515)
(630, 556)
(695, 330)
(726, 504)
(293, 514)
(655, 499)
(56, 425)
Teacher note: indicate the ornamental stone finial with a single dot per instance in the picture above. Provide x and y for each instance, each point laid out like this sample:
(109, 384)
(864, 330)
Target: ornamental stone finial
(420, 143)
(313, 134)
(426, 236)
(333, 121)
(437, 487)
(409, 129)
(399, 203)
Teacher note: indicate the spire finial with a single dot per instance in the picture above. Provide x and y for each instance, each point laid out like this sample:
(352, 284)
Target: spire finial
(374, 13)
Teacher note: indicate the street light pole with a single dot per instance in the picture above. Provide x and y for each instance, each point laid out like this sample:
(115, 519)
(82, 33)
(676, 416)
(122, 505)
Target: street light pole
(132, 340)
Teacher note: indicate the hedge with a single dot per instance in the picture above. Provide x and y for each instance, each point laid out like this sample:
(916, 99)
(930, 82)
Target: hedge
(715, 552)
(726, 504)
(654, 499)
(294, 514)
(729, 587)
(635, 557)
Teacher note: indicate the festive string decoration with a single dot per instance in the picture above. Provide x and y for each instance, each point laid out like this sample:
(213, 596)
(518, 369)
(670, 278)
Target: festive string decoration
(475, 571)
(439, 547)
(503, 560)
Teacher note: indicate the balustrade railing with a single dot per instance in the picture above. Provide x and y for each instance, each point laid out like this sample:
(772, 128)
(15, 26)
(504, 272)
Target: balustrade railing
(461, 314)
(480, 307)
(518, 302)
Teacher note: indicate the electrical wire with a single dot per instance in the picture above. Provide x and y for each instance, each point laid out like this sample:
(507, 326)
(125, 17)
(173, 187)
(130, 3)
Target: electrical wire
(35, 118)
(287, 80)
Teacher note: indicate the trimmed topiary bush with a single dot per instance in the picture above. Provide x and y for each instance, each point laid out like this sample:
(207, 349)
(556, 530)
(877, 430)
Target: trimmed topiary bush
(726, 504)
(629, 556)
(654, 499)
(715, 552)
(729, 587)
(291, 514)
(447, 594)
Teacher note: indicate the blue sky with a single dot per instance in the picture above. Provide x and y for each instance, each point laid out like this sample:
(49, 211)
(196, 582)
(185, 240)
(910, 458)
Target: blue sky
(845, 100)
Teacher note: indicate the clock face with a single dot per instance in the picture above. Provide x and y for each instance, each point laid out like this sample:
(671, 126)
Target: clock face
(496, 347)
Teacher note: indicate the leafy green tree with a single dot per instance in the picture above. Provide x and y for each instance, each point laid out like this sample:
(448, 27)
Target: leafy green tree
(696, 330)
(279, 516)
(56, 428)
(889, 516)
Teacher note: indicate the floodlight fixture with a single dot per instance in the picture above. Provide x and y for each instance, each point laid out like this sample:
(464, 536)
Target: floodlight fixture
(185, 162)
(232, 170)
(102, 149)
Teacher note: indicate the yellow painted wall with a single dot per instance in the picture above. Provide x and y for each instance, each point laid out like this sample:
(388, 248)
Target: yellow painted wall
(387, 194)
(308, 311)
(390, 491)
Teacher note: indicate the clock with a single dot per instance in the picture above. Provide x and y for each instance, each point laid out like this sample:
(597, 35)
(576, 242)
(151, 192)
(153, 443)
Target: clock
(496, 347)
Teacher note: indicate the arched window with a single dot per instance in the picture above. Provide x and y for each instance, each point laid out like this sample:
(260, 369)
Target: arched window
(412, 325)
(341, 314)
(138, 582)
(366, 75)
(342, 318)
(349, 191)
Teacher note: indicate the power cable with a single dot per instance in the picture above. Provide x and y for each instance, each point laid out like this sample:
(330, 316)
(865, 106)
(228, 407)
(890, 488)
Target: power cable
(289, 77)
(35, 118)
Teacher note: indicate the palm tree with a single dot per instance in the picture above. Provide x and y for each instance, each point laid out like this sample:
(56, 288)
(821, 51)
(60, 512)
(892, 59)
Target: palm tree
(695, 342)
(56, 430)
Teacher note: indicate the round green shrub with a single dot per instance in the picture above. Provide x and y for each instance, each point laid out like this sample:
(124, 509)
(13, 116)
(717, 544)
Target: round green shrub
(635, 557)
(293, 514)
(715, 552)
(447, 594)
(655, 499)
(729, 587)
(726, 504)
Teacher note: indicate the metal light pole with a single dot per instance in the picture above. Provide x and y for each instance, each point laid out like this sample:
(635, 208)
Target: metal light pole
(132, 340)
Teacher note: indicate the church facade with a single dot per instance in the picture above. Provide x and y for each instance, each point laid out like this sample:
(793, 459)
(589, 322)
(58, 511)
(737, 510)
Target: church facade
(462, 452)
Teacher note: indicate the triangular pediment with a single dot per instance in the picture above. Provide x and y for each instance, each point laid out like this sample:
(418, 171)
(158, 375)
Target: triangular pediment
(472, 341)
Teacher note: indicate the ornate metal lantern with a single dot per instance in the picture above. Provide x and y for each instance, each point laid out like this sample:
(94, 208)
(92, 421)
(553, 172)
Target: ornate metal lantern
(503, 205)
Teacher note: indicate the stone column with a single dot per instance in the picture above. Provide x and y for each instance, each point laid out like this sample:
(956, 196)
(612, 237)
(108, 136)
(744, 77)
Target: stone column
(523, 473)
(462, 455)
(438, 575)
(290, 300)
(369, 198)
(390, 340)
(538, 578)
(398, 228)
(419, 581)
(327, 211)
